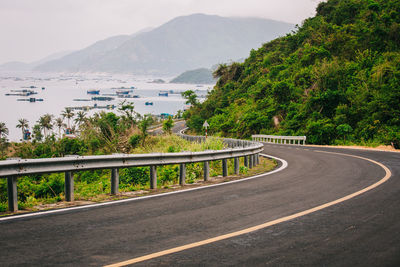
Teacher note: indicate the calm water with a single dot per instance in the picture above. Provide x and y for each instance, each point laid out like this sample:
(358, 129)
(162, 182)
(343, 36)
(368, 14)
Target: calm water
(61, 89)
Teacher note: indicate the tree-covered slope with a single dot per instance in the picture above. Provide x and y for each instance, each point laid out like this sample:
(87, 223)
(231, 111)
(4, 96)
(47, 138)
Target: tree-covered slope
(335, 79)
(197, 76)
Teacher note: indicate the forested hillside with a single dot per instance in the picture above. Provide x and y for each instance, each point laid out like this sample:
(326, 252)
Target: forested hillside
(336, 79)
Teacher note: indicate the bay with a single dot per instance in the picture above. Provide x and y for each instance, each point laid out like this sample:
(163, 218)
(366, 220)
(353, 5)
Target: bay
(60, 90)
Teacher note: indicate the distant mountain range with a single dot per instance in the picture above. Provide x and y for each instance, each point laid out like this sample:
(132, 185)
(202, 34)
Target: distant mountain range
(184, 43)
(21, 66)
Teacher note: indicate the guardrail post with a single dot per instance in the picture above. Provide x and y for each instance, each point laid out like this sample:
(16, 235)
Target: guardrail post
(246, 161)
(69, 186)
(224, 167)
(153, 177)
(12, 193)
(182, 174)
(258, 159)
(114, 181)
(236, 165)
(206, 170)
(250, 161)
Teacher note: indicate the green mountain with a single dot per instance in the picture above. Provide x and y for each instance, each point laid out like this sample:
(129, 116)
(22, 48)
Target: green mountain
(197, 76)
(336, 79)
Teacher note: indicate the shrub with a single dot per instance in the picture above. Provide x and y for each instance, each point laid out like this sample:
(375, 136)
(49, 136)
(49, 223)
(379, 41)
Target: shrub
(3, 206)
(134, 140)
(135, 175)
(50, 186)
(70, 146)
(168, 174)
(90, 176)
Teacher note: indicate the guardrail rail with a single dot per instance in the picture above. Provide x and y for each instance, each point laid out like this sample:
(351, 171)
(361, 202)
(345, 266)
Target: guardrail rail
(13, 168)
(277, 139)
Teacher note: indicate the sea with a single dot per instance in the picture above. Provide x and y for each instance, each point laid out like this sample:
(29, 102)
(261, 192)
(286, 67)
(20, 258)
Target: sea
(61, 90)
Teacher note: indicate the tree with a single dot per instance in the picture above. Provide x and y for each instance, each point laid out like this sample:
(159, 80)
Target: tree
(37, 133)
(144, 124)
(108, 124)
(3, 138)
(128, 113)
(168, 124)
(23, 124)
(45, 123)
(80, 117)
(191, 97)
(344, 130)
(60, 124)
(68, 113)
(3, 130)
(221, 70)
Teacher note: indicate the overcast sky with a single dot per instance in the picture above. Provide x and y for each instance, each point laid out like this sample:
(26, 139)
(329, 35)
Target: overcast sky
(33, 29)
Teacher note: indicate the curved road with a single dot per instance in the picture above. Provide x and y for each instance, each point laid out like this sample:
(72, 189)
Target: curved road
(362, 231)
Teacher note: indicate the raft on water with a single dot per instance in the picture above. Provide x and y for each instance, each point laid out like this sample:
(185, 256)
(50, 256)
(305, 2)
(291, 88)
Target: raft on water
(82, 99)
(128, 96)
(32, 99)
(102, 98)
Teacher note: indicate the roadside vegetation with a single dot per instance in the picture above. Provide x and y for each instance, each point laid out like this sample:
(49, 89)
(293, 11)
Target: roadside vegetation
(101, 134)
(334, 79)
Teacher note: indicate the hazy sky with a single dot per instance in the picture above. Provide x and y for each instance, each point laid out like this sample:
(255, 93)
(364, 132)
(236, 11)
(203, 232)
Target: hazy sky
(33, 29)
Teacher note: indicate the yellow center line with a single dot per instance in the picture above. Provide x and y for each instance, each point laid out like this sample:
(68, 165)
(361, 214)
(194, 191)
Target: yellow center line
(266, 224)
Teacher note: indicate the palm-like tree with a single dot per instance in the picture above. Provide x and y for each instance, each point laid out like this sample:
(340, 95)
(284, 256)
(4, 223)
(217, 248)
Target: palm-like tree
(68, 113)
(59, 122)
(45, 123)
(3, 130)
(23, 124)
(80, 117)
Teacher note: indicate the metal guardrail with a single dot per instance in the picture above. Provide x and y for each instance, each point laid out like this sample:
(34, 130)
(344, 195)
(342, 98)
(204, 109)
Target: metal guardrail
(14, 168)
(279, 139)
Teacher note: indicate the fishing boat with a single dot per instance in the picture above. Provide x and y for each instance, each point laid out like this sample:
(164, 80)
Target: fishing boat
(123, 92)
(163, 93)
(93, 92)
(165, 115)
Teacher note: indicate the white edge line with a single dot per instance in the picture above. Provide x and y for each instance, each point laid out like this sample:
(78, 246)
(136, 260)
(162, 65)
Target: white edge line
(14, 217)
(336, 147)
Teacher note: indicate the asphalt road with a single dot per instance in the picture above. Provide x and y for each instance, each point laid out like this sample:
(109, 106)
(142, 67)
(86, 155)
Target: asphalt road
(362, 231)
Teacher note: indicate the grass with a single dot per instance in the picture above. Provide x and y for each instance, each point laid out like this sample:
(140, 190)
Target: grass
(46, 191)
